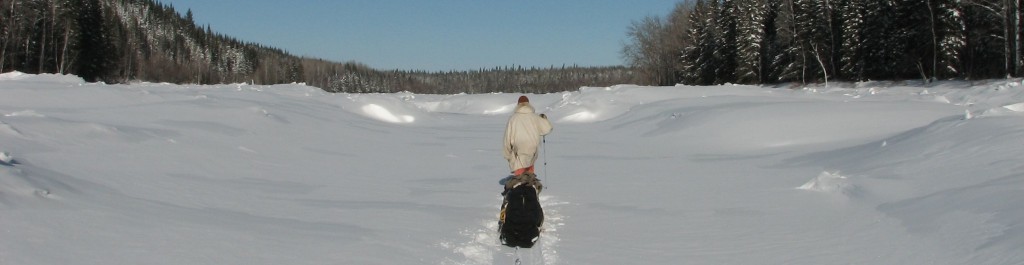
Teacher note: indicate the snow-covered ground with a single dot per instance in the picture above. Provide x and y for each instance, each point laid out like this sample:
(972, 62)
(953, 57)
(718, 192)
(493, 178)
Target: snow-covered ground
(866, 173)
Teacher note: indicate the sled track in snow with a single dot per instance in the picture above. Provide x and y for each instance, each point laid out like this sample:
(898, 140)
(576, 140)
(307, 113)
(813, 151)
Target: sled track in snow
(480, 245)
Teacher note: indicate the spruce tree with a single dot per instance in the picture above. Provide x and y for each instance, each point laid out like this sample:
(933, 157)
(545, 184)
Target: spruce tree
(93, 63)
(915, 48)
(699, 60)
(791, 63)
(726, 48)
(851, 50)
(953, 37)
(752, 44)
(772, 47)
(880, 48)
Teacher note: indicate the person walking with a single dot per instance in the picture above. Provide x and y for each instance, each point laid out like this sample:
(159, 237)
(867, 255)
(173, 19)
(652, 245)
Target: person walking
(523, 135)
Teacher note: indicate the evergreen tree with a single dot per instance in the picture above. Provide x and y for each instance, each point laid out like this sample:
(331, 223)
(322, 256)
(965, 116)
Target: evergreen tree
(952, 37)
(93, 63)
(984, 44)
(816, 21)
(881, 48)
(851, 50)
(915, 40)
(1017, 17)
(1020, 37)
(752, 41)
(726, 23)
(790, 63)
(835, 34)
(699, 60)
(771, 40)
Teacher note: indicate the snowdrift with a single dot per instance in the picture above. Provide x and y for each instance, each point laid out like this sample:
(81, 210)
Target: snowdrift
(855, 173)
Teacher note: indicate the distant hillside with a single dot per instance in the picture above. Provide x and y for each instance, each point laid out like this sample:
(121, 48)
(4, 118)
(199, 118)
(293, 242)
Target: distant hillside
(126, 40)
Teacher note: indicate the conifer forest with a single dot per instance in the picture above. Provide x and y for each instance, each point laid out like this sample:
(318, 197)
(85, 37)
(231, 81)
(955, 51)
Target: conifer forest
(704, 42)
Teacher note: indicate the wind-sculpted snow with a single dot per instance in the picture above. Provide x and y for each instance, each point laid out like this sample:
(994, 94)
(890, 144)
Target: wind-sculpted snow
(830, 182)
(852, 173)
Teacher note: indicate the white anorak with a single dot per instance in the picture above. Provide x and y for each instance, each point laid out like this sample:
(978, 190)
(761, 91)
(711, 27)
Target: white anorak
(523, 136)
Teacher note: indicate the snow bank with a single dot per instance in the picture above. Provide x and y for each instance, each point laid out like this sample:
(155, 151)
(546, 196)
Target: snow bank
(12, 76)
(42, 78)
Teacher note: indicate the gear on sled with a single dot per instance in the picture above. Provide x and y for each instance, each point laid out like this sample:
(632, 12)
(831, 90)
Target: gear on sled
(521, 216)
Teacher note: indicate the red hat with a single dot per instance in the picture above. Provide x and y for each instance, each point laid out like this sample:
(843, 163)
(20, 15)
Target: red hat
(523, 99)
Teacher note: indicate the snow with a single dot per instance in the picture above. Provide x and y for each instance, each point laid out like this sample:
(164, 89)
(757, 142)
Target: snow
(852, 173)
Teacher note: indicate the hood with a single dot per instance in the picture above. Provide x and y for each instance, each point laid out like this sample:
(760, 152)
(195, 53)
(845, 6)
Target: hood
(524, 108)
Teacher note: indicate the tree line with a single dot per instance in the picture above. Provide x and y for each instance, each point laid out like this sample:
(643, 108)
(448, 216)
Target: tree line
(705, 42)
(360, 79)
(119, 41)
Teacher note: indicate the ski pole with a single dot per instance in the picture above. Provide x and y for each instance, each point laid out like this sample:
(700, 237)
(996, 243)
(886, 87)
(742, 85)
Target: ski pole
(544, 141)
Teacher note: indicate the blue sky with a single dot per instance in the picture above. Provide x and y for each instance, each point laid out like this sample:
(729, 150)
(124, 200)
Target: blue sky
(433, 35)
